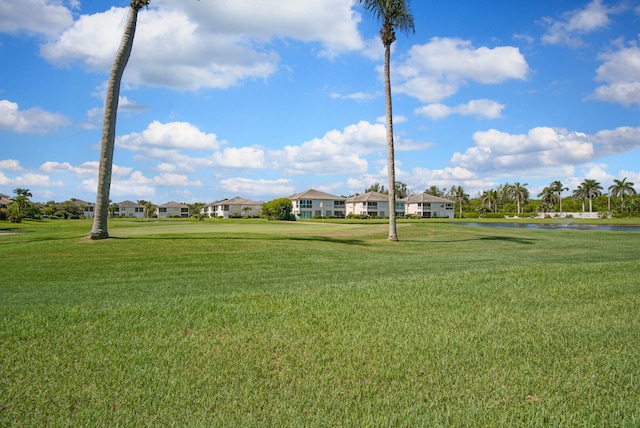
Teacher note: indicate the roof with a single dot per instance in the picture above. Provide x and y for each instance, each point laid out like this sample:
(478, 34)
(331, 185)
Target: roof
(425, 197)
(239, 201)
(173, 204)
(129, 204)
(316, 194)
(369, 197)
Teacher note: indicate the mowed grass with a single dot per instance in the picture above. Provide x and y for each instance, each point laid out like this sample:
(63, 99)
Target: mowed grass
(255, 323)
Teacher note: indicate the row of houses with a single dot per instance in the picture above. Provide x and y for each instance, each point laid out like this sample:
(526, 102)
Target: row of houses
(306, 205)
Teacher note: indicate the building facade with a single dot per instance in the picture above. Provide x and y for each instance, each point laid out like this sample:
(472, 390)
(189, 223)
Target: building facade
(313, 203)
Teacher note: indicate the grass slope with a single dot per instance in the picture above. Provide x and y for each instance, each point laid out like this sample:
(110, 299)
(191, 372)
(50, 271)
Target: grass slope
(254, 323)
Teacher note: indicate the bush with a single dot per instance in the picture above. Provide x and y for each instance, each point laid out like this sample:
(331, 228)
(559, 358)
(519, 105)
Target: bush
(278, 209)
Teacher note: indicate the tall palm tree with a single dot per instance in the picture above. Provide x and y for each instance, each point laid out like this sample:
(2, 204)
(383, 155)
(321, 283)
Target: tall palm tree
(99, 229)
(591, 189)
(520, 194)
(620, 188)
(394, 14)
(558, 188)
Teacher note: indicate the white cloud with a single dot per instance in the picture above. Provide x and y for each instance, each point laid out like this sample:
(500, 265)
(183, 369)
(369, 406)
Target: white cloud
(192, 45)
(542, 148)
(33, 16)
(84, 169)
(251, 187)
(169, 136)
(616, 141)
(33, 120)
(332, 23)
(621, 73)
(482, 109)
(438, 69)
(29, 180)
(574, 23)
(334, 153)
(245, 157)
(10, 165)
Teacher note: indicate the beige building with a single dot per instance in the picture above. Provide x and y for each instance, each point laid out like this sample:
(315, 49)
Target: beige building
(233, 207)
(370, 204)
(314, 203)
(173, 209)
(428, 206)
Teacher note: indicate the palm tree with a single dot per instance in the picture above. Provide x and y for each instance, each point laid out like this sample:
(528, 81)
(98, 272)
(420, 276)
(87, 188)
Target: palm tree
(394, 14)
(548, 196)
(520, 193)
(99, 229)
(620, 188)
(558, 188)
(459, 195)
(580, 193)
(591, 189)
(489, 199)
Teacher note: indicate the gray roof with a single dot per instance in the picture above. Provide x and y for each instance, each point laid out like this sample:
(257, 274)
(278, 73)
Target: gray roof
(369, 197)
(129, 204)
(316, 194)
(425, 197)
(173, 205)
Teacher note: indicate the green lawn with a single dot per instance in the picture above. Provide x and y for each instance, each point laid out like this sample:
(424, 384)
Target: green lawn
(256, 323)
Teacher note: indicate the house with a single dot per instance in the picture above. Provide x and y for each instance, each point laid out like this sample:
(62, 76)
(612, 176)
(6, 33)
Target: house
(429, 206)
(130, 209)
(88, 208)
(370, 204)
(314, 203)
(173, 209)
(234, 207)
(5, 200)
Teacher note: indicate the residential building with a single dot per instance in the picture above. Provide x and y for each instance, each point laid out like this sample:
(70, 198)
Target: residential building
(130, 209)
(370, 204)
(173, 209)
(5, 200)
(88, 208)
(234, 207)
(429, 206)
(314, 203)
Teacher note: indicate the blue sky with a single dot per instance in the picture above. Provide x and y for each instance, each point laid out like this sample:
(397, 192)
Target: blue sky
(266, 98)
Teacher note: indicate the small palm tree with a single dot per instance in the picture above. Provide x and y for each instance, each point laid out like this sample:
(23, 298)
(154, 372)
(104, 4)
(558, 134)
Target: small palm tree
(489, 199)
(558, 188)
(394, 14)
(621, 188)
(592, 189)
(459, 195)
(581, 194)
(99, 228)
(549, 197)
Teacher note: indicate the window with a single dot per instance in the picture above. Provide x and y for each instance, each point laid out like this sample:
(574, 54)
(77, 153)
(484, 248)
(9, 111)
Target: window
(162, 210)
(305, 214)
(338, 204)
(225, 208)
(306, 203)
(372, 204)
(318, 213)
(184, 210)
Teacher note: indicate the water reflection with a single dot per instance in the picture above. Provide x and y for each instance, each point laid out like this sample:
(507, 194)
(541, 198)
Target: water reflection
(564, 225)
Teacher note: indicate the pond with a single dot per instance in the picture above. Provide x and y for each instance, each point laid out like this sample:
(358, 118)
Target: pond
(564, 225)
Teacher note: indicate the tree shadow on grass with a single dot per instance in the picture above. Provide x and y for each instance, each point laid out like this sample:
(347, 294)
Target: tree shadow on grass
(523, 241)
(187, 237)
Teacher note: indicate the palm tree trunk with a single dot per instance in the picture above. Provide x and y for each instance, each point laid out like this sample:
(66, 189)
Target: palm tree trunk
(99, 229)
(391, 166)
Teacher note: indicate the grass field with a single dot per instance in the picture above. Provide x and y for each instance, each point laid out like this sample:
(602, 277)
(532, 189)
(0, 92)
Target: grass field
(256, 323)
